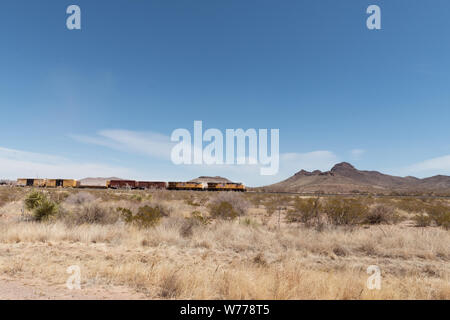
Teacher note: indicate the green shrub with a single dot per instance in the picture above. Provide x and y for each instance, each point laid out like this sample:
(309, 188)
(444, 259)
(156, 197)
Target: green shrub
(345, 211)
(440, 214)
(412, 205)
(34, 199)
(126, 214)
(45, 210)
(379, 214)
(197, 216)
(223, 210)
(305, 210)
(41, 206)
(146, 216)
(228, 205)
(136, 197)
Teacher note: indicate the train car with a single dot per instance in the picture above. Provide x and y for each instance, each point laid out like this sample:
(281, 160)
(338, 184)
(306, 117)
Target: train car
(239, 187)
(227, 186)
(151, 185)
(198, 186)
(40, 183)
(61, 183)
(70, 183)
(23, 182)
(121, 184)
(54, 183)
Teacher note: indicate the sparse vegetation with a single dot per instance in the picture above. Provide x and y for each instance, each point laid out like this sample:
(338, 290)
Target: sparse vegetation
(45, 209)
(422, 220)
(145, 217)
(41, 206)
(306, 211)
(223, 210)
(167, 248)
(200, 218)
(228, 206)
(80, 198)
(380, 214)
(34, 199)
(341, 211)
(440, 214)
(90, 213)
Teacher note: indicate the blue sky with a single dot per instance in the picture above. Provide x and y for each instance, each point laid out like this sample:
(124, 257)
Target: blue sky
(103, 100)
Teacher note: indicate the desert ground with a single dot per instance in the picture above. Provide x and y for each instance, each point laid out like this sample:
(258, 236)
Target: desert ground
(159, 244)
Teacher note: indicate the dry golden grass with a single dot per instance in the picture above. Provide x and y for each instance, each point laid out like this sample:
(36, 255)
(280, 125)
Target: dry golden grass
(230, 259)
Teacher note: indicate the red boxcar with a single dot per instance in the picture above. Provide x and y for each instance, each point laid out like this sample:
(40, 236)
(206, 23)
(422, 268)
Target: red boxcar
(150, 185)
(121, 184)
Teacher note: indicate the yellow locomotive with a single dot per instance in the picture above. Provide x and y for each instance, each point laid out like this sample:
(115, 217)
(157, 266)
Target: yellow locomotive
(226, 186)
(198, 186)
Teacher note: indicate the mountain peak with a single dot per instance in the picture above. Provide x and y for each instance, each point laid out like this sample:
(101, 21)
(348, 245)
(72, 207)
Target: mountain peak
(307, 173)
(344, 178)
(343, 166)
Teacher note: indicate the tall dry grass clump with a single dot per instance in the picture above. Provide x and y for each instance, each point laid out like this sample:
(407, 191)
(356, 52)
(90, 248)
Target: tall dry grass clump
(80, 198)
(341, 211)
(440, 215)
(228, 205)
(90, 213)
(307, 211)
(380, 214)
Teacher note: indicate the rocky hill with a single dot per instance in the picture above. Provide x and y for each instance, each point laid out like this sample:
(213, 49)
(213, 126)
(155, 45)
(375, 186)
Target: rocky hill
(96, 182)
(216, 179)
(345, 178)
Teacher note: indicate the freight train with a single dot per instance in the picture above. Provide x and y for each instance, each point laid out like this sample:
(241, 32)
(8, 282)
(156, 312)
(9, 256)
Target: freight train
(133, 184)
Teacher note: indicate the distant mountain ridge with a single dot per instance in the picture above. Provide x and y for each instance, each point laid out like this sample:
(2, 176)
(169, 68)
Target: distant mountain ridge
(216, 179)
(99, 181)
(345, 178)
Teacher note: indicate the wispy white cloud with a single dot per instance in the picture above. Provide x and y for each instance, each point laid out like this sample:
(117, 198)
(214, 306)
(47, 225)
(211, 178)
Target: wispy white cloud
(159, 146)
(147, 143)
(18, 163)
(438, 165)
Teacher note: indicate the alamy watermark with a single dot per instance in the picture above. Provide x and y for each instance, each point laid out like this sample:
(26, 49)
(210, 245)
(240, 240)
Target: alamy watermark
(374, 20)
(74, 280)
(73, 22)
(231, 150)
(374, 280)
